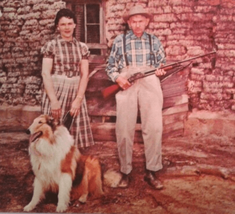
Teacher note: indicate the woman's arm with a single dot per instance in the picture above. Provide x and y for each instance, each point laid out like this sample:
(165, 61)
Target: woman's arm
(47, 64)
(84, 72)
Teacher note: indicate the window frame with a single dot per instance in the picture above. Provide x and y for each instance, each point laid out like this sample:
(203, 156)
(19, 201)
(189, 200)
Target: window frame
(102, 45)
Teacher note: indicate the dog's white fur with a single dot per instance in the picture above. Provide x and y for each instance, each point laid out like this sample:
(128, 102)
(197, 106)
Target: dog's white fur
(49, 153)
(46, 163)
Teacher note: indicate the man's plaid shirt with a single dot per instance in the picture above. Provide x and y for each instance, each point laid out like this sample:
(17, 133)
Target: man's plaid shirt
(138, 53)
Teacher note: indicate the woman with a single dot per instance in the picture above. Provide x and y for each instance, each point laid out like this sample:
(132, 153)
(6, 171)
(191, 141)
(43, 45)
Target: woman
(65, 72)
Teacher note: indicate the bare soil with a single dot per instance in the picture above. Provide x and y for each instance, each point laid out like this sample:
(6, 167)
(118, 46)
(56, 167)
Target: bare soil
(198, 178)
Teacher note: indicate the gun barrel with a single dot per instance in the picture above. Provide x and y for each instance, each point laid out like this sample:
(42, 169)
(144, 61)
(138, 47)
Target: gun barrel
(189, 59)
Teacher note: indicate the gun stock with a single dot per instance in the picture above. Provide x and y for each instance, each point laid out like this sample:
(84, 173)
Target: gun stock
(110, 91)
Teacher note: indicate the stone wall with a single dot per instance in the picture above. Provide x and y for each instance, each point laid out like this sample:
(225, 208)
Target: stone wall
(24, 27)
(186, 28)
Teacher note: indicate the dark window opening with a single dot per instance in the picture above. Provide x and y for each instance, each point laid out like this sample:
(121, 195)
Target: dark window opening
(88, 22)
(95, 51)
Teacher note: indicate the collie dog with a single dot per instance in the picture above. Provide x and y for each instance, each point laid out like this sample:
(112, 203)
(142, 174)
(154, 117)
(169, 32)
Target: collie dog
(59, 166)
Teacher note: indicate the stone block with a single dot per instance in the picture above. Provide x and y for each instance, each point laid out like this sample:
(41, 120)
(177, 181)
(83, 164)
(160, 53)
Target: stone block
(205, 123)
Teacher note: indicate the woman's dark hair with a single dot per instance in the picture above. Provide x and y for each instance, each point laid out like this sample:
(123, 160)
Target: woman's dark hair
(65, 12)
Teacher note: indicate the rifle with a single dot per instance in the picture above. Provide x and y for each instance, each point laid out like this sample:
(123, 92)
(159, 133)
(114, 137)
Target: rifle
(113, 89)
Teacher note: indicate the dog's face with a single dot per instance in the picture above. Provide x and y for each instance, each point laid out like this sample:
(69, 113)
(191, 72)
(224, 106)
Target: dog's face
(42, 126)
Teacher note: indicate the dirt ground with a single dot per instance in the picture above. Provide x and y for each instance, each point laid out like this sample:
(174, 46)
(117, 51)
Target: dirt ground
(198, 178)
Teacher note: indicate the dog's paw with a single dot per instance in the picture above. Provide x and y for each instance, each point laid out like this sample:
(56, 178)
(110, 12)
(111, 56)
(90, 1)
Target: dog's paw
(28, 208)
(61, 208)
(83, 198)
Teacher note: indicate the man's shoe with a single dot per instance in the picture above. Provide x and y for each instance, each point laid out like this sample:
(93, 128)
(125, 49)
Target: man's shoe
(124, 182)
(151, 179)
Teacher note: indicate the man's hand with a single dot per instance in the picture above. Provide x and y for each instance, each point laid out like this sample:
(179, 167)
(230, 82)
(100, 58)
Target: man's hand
(160, 72)
(123, 82)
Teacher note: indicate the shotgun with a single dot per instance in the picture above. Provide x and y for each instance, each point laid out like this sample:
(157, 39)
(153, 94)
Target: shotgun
(113, 89)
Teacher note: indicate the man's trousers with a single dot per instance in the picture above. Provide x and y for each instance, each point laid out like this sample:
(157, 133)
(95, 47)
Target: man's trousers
(144, 96)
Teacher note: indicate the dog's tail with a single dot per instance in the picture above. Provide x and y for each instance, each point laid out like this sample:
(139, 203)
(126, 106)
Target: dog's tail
(111, 178)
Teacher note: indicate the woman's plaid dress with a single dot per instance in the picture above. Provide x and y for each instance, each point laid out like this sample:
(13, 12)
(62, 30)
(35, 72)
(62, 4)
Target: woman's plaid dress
(65, 76)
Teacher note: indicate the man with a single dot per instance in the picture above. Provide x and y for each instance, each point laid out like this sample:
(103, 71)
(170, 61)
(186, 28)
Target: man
(133, 52)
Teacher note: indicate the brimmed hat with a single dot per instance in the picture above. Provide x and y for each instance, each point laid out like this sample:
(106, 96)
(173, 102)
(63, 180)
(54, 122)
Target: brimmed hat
(137, 10)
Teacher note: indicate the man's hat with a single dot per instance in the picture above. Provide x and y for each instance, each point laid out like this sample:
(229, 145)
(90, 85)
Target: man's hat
(137, 10)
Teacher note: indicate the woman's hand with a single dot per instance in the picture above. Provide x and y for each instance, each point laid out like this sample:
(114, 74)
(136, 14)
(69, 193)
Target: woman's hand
(123, 82)
(76, 106)
(56, 109)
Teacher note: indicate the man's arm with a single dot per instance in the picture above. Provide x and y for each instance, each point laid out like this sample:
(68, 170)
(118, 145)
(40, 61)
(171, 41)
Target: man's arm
(159, 57)
(112, 68)
(113, 62)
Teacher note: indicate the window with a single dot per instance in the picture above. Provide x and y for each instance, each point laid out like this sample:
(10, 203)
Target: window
(90, 26)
